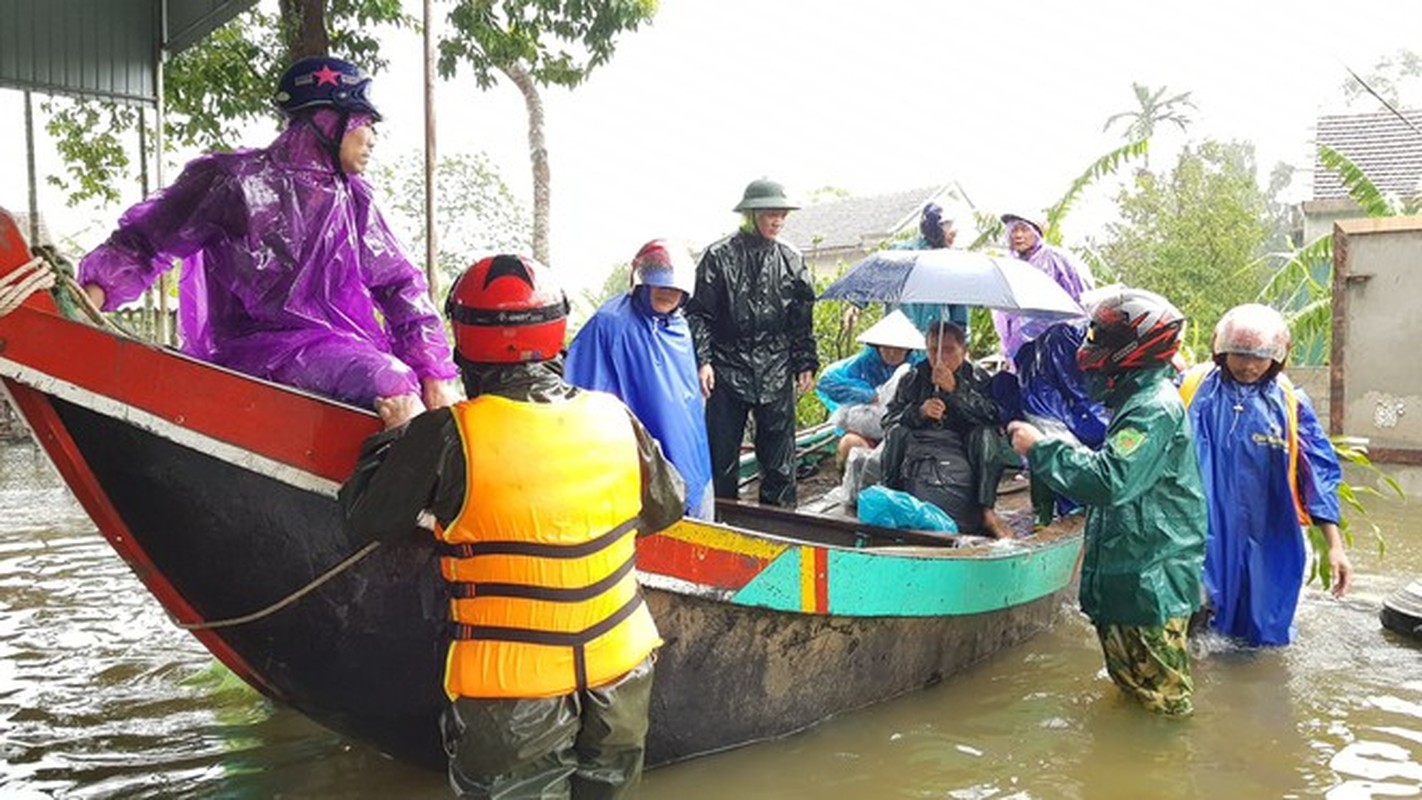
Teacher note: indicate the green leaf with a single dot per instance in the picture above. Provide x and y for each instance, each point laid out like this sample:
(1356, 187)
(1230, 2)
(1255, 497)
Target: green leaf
(1104, 166)
(1360, 187)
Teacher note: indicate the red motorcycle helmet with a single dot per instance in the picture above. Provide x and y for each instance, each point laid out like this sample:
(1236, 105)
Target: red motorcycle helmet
(507, 309)
(1130, 329)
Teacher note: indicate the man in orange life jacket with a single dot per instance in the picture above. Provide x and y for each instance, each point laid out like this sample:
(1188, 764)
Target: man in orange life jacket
(538, 489)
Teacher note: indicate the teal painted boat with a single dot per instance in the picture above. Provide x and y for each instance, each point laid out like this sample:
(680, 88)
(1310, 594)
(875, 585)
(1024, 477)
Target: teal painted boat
(776, 620)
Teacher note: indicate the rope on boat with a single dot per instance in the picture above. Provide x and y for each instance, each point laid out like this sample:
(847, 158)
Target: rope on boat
(346, 564)
(81, 298)
(30, 277)
(38, 274)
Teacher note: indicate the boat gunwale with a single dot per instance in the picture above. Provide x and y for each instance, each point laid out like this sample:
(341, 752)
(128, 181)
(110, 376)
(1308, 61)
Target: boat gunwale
(1060, 533)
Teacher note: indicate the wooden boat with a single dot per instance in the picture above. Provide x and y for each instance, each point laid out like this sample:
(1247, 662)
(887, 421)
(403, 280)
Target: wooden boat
(219, 491)
(776, 620)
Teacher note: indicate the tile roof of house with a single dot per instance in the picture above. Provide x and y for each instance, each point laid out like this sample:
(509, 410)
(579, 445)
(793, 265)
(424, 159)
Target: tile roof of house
(851, 221)
(1384, 147)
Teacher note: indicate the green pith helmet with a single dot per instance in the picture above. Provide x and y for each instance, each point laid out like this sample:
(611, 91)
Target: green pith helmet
(763, 194)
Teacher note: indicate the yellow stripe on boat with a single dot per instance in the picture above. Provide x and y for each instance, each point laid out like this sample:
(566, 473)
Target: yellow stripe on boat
(697, 532)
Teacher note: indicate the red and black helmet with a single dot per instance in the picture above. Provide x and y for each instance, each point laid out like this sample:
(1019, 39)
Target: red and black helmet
(507, 309)
(1130, 329)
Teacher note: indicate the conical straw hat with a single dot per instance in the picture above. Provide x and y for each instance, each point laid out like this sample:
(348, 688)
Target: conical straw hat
(894, 330)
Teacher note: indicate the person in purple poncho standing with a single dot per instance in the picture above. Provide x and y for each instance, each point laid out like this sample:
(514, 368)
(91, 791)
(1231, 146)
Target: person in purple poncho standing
(1024, 238)
(289, 271)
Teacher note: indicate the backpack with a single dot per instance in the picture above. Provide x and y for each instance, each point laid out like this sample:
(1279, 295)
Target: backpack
(936, 470)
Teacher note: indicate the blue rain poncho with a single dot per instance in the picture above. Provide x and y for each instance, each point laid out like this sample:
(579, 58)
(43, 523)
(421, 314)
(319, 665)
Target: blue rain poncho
(1053, 388)
(649, 361)
(1254, 561)
(854, 380)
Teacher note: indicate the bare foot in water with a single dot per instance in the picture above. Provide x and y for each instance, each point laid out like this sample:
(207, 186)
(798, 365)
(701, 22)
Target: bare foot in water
(398, 410)
(994, 525)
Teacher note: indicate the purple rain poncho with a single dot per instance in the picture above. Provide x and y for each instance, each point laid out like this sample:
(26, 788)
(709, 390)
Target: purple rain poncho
(286, 264)
(1064, 268)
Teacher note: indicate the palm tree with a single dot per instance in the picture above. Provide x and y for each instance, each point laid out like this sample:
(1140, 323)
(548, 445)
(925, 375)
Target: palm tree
(1153, 109)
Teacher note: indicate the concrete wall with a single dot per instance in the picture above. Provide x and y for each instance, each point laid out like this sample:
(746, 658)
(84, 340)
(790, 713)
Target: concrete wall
(1319, 215)
(1379, 342)
(1313, 380)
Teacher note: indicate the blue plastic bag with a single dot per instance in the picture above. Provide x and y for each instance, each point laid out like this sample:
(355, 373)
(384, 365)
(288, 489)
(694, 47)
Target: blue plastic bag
(890, 508)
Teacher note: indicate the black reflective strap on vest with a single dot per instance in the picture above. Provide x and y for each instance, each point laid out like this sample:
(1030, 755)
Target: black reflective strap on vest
(576, 640)
(602, 542)
(466, 591)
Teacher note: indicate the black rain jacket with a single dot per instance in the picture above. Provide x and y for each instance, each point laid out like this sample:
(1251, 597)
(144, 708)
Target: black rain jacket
(751, 316)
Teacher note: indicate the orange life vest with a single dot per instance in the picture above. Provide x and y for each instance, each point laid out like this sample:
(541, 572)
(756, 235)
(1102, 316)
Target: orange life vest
(1190, 383)
(544, 594)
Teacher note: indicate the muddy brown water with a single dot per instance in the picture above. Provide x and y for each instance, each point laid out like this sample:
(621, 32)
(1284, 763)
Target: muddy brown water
(100, 696)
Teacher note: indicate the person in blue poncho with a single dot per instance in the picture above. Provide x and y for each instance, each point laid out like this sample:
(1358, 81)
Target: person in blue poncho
(1269, 469)
(639, 348)
(851, 387)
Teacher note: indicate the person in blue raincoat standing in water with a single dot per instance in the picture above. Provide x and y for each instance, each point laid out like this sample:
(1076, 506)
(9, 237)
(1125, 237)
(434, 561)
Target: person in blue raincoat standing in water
(1269, 471)
(639, 348)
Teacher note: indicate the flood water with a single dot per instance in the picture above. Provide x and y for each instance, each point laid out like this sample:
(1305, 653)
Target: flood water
(100, 696)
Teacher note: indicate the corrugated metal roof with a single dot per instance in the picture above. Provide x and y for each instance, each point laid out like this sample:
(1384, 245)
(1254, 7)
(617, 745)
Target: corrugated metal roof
(99, 48)
(853, 221)
(1384, 147)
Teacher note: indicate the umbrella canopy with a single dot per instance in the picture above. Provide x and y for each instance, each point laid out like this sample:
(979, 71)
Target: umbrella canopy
(953, 276)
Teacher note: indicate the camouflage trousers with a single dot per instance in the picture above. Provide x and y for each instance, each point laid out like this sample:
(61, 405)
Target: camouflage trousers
(1151, 663)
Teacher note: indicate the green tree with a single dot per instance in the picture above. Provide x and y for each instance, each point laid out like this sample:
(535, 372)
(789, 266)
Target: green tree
(616, 284)
(1385, 81)
(477, 215)
(532, 44)
(1195, 234)
(214, 89)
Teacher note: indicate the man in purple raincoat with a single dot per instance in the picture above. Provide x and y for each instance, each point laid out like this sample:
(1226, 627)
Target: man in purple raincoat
(1024, 238)
(289, 271)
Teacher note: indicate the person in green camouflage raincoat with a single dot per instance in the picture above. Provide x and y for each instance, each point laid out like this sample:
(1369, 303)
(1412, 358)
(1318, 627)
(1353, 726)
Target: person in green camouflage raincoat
(1146, 514)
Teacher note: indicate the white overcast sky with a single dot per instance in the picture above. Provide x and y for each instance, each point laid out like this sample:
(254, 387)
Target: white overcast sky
(1006, 99)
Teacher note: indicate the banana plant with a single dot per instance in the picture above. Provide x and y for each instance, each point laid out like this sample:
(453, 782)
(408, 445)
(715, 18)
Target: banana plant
(1304, 286)
(1352, 450)
(1103, 167)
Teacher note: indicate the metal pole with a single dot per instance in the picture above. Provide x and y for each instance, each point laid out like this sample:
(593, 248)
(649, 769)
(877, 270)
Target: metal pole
(30, 166)
(160, 330)
(143, 150)
(431, 234)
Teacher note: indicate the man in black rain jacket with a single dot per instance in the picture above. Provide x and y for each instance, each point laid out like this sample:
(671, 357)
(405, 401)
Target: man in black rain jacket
(751, 317)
